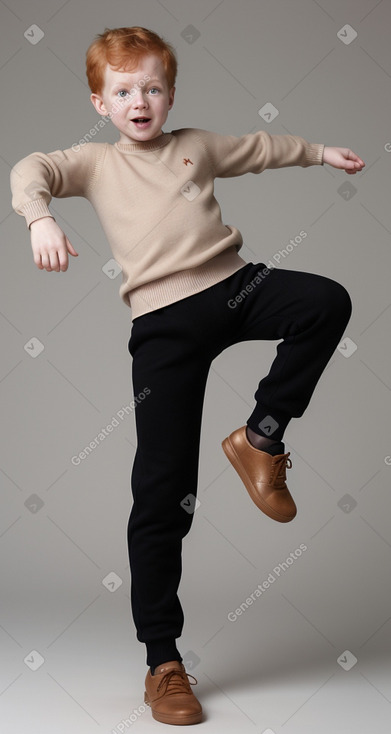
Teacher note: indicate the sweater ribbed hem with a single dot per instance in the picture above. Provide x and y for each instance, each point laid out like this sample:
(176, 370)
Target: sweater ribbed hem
(184, 283)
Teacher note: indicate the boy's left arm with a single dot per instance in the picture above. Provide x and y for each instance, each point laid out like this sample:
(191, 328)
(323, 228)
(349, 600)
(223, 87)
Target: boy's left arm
(343, 158)
(230, 155)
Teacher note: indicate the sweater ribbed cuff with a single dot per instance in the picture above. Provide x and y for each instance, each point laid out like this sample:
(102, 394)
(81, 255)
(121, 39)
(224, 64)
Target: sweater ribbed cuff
(35, 209)
(314, 154)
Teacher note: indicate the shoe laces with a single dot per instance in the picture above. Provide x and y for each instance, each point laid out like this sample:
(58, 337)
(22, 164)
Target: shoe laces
(280, 463)
(173, 685)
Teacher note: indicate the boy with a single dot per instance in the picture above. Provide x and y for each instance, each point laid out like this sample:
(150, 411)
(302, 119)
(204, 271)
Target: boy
(191, 296)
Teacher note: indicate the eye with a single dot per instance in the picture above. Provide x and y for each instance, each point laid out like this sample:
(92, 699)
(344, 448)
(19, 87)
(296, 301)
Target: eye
(122, 90)
(157, 90)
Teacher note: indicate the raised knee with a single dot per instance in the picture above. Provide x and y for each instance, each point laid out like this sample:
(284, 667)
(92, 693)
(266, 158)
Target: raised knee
(343, 300)
(336, 299)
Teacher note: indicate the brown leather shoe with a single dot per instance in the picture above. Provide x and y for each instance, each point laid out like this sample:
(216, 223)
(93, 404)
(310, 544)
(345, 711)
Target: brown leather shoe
(169, 695)
(263, 475)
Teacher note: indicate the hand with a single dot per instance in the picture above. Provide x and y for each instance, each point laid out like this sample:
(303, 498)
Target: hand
(343, 158)
(50, 245)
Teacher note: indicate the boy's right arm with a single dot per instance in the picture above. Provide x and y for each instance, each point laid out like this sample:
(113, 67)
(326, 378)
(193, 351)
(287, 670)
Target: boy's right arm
(38, 177)
(50, 245)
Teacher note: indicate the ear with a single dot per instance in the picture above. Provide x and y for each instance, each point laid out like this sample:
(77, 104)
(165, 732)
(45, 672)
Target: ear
(171, 97)
(98, 103)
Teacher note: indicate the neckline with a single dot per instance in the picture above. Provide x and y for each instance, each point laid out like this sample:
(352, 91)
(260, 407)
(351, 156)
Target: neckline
(144, 145)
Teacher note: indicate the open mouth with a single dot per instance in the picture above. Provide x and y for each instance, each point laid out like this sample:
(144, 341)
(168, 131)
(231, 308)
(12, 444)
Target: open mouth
(141, 121)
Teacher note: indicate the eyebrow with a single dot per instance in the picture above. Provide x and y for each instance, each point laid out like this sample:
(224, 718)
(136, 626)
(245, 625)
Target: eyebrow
(120, 84)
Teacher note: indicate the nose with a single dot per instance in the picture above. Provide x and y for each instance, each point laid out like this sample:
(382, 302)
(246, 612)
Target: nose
(138, 99)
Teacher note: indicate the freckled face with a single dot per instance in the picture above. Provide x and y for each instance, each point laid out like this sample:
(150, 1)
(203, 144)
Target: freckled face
(141, 93)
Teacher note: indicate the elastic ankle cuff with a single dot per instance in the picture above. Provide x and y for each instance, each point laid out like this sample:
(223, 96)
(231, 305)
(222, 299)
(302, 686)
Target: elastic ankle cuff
(273, 424)
(161, 651)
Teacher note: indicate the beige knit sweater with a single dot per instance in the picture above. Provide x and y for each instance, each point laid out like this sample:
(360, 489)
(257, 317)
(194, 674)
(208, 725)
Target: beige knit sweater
(155, 202)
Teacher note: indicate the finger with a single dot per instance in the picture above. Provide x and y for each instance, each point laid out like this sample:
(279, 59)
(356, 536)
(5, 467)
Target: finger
(71, 249)
(356, 158)
(54, 261)
(354, 167)
(45, 262)
(63, 255)
(37, 260)
(50, 261)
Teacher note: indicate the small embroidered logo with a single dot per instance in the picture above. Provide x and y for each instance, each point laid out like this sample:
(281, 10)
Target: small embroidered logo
(187, 160)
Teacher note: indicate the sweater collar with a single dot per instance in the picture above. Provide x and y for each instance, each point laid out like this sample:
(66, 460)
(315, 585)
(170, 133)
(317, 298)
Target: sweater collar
(144, 145)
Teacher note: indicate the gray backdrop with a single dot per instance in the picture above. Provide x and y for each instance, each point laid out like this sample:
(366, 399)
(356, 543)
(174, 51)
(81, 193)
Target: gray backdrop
(310, 654)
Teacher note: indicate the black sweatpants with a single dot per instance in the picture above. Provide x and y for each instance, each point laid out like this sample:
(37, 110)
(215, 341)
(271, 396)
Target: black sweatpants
(172, 350)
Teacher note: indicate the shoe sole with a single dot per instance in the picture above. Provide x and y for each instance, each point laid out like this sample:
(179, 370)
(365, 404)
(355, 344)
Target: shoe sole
(234, 458)
(168, 719)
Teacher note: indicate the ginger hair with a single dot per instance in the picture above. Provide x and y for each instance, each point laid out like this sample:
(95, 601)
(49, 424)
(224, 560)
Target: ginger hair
(122, 49)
